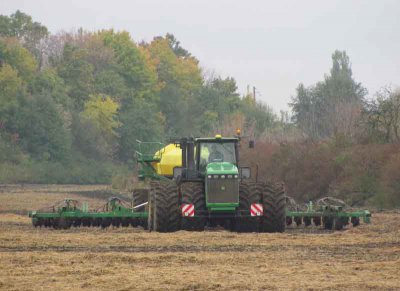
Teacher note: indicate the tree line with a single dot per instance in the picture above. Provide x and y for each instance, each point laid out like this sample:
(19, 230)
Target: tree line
(72, 105)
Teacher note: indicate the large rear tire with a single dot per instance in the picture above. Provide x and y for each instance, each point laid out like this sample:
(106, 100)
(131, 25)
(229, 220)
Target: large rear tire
(140, 196)
(248, 194)
(193, 193)
(164, 212)
(274, 206)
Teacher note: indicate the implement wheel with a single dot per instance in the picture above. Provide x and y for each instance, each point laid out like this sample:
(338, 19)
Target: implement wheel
(355, 221)
(248, 194)
(193, 193)
(164, 211)
(338, 224)
(274, 206)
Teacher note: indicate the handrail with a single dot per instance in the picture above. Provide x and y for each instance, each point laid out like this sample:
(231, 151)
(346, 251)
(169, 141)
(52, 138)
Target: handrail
(153, 151)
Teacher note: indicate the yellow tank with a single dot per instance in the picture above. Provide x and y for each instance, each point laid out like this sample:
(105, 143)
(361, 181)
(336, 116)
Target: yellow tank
(171, 157)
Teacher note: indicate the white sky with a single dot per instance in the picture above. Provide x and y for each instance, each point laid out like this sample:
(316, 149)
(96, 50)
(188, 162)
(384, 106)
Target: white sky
(272, 45)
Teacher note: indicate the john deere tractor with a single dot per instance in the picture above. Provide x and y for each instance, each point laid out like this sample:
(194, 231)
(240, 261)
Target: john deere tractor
(198, 182)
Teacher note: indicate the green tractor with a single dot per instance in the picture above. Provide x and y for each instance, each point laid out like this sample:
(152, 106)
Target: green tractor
(203, 185)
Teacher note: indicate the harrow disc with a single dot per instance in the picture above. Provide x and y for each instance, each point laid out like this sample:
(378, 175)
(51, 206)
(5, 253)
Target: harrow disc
(307, 221)
(124, 222)
(338, 223)
(116, 222)
(86, 222)
(355, 221)
(77, 222)
(298, 221)
(106, 222)
(317, 220)
(64, 223)
(96, 222)
(47, 222)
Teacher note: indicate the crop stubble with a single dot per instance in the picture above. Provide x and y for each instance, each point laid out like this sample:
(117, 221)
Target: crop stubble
(366, 257)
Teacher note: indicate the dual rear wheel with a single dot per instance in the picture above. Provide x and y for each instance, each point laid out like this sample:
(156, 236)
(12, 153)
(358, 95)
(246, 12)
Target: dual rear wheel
(165, 214)
(273, 201)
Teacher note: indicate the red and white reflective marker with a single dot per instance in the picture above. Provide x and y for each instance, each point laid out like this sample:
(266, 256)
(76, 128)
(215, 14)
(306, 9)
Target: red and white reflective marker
(256, 209)
(187, 210)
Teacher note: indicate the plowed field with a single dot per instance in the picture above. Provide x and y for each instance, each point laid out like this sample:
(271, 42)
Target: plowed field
(362, 258)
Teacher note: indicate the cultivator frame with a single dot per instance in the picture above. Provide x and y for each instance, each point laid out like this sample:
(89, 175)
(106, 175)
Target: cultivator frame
(330, 212)
(67, 213)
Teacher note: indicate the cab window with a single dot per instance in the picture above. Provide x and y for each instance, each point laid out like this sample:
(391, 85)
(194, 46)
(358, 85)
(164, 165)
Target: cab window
(213, 152)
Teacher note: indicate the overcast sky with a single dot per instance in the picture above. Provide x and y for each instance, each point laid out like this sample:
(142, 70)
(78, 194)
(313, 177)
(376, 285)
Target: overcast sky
(272, 45)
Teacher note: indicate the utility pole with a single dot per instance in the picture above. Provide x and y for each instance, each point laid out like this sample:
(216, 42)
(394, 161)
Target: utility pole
(254, 93)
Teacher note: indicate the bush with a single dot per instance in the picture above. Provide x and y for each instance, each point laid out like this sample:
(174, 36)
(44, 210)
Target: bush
(390, 183)
(358, 174)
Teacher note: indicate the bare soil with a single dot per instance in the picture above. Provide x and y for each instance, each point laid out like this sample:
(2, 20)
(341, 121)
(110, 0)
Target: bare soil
(362, 258)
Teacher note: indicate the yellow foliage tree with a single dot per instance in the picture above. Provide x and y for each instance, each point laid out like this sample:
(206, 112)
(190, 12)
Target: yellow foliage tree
(102, 111)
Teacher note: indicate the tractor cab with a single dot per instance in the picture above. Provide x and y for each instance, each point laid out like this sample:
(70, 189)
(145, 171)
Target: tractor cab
(215, 151)
(202, 157)
(214, 162)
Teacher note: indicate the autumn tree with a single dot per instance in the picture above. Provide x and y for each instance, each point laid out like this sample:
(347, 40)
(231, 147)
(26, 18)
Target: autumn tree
(381, 117)
(332, 106)
(22, 27)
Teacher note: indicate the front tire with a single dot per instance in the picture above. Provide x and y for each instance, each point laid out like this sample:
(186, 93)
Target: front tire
(193, 193)
(164, 212)
(248, 194)
(274, 206)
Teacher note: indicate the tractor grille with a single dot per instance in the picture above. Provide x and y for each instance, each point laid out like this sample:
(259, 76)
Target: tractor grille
(222, 190)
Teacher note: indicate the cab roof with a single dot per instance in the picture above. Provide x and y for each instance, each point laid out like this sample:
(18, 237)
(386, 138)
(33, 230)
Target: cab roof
(217, 139)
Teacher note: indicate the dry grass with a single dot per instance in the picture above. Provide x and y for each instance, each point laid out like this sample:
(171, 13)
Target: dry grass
(367, 257)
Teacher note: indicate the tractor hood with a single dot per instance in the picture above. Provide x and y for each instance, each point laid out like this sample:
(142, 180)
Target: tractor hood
(219, 168)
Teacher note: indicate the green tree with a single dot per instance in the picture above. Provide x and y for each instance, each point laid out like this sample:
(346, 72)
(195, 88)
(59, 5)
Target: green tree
(42, 131)
(77, 74)
(180, 82)
(12, 53)
(259, 117)
(332, 106)
(381, 117)
(48, 82)
(131, 65)
(21, 26)
(176, 47)
(11, 92)
(140, 121)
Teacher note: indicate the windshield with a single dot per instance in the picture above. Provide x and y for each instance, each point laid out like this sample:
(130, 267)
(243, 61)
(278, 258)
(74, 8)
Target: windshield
(212, 152)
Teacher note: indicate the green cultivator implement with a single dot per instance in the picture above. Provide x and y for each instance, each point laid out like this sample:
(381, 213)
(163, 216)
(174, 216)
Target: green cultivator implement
(329, 212)
(68, 212)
